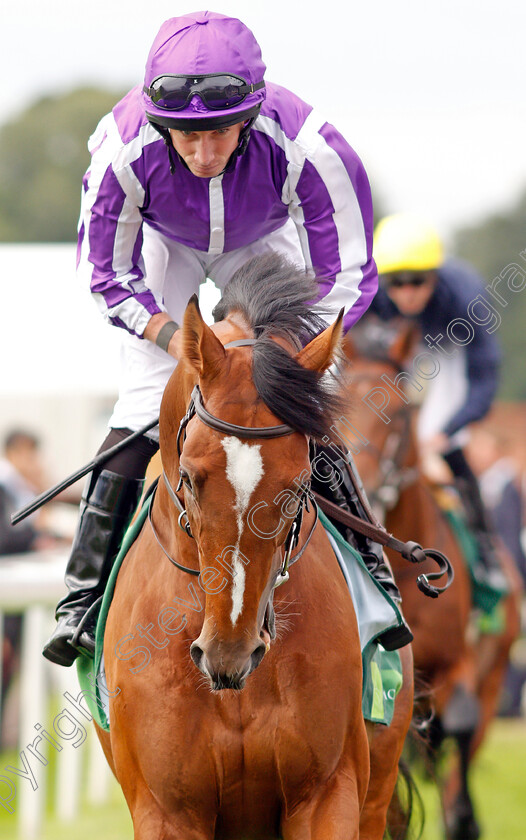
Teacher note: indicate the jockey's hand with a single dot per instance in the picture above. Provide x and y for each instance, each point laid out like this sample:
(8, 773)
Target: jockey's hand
(436, 444)
(175, 347)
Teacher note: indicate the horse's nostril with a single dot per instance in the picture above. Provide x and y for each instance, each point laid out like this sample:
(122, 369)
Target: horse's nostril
(196, 653)
(258, 655)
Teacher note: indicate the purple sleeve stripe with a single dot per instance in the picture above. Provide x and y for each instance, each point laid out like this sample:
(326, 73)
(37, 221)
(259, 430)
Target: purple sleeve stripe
(112, 292)
(137, 248)
(318, 211)
(356, 231)
(96, 148)
(284, 107)
(80, 241)
(357, 176)
(368, 288)
(147, 300)
(132, 307)
(104, 221)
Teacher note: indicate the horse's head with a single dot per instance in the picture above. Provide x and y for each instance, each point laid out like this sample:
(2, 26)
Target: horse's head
(380, 410)
(242, 473)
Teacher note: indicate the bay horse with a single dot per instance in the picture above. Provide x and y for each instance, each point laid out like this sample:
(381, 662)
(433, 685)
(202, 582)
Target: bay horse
(221, 729)
(462, 675)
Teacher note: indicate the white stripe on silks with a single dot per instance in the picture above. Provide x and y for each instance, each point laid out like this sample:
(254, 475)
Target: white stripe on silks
(348, 219)
(306, 141)
(129, 153)
(113, 153)
(244, 470)
(130, 312)
(107, 137)
(296, 152)
(130, 218)
(352, 245)
(296, 214)
(217, 215)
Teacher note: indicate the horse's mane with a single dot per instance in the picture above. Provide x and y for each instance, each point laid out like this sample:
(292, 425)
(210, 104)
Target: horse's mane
(276, 298)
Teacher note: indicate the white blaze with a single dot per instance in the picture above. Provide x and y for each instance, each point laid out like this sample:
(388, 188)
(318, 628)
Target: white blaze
(244, 469)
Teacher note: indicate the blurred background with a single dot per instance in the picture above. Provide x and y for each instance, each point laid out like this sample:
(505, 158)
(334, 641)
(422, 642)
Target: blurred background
(430, 95)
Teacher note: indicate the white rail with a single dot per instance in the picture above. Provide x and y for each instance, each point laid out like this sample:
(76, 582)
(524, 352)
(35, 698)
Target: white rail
(31, 584)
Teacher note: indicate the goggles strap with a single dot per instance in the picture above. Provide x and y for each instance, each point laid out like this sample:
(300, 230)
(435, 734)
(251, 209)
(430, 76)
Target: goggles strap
(244, 137)
(172, 155)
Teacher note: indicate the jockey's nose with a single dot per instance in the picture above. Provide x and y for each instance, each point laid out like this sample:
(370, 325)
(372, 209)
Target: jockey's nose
(204, 152)
(226, 666)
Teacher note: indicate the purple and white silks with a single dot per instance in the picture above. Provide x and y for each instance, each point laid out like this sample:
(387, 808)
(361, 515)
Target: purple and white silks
(296, 166)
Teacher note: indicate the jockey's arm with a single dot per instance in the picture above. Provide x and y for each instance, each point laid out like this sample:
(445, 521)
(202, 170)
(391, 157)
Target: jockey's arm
(332, 209)
(153, 328)
(175, 348)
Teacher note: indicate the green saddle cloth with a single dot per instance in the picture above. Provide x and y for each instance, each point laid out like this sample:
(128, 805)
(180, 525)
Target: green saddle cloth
(375, 612)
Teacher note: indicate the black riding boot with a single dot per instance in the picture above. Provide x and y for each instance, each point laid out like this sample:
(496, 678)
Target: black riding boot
(489, 569)
(106, 510)
(339, 488)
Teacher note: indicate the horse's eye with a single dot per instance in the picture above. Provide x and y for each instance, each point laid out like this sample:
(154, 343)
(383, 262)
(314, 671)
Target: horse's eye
(185, 479)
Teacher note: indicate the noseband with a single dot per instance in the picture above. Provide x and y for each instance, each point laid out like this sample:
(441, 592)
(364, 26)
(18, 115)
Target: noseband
(196, 408)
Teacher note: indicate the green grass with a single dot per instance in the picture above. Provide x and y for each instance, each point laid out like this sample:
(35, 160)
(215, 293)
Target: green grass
(108, 822)
(498, 785)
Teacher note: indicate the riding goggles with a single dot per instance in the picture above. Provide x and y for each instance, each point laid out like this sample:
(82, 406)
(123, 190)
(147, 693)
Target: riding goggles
(217, 90)
(398, 281)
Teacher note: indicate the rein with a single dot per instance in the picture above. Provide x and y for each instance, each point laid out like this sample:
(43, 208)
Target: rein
(391, 458)
(411, 551)
(393, 476)
(196, 408)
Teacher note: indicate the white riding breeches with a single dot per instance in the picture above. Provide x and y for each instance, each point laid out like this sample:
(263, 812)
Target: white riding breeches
(174, 273)
(444, 395)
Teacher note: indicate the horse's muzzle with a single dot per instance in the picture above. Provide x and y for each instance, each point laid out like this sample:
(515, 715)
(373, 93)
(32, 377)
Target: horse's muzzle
(223, 667)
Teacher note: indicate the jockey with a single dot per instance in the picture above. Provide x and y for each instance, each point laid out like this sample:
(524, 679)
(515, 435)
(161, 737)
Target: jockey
(438, 294)
(192, 173)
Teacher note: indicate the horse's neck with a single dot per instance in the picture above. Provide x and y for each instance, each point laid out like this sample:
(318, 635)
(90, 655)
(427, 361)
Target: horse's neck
(417, 515)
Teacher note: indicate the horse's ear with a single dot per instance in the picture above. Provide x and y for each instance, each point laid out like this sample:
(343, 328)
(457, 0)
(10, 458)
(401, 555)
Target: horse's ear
(320, 353)
(201, 348)
(405, 342)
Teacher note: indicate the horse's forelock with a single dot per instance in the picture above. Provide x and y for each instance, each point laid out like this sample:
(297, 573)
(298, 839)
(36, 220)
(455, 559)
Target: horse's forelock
(304, 399)
(275, 297)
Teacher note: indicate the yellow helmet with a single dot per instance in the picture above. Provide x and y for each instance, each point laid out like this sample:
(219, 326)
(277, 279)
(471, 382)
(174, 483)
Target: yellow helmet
(405, 242)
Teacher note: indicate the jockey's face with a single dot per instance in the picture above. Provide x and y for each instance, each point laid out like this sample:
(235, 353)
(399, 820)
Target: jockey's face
(206, 153)
(410, 291)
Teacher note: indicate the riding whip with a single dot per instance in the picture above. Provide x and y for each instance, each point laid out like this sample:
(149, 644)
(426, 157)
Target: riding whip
(97, 461)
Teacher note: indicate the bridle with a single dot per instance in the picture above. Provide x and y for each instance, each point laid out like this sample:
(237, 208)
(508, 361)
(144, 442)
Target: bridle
(196, 408)
(393, 476)
(391, 456)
